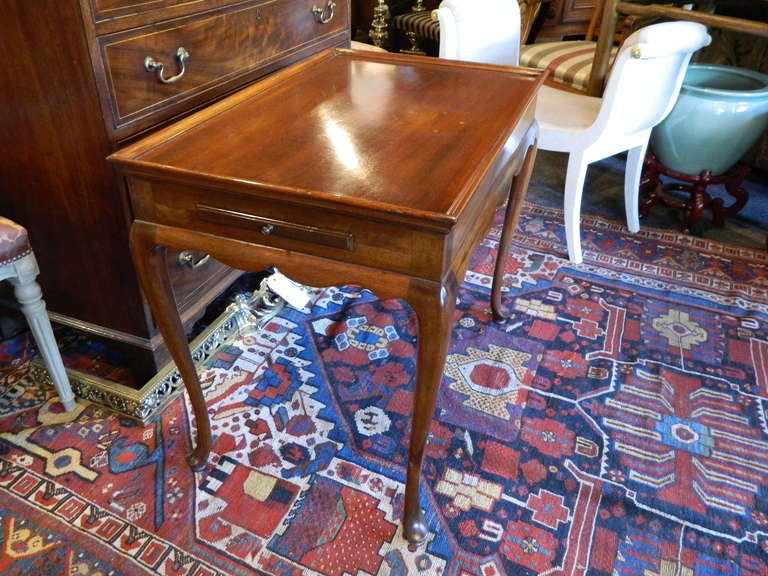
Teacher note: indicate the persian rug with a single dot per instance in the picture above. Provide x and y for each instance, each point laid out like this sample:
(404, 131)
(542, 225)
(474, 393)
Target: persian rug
(616, 424)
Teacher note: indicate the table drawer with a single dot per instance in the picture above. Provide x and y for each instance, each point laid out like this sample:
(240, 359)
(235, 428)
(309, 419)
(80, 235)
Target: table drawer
(225, 49)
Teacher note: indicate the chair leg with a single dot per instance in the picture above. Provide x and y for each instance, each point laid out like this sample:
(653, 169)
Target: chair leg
(29, 295)
(632, 174)
(574, 187)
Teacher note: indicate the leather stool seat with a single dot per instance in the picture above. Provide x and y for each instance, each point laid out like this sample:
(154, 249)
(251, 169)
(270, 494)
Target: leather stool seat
(14, 241)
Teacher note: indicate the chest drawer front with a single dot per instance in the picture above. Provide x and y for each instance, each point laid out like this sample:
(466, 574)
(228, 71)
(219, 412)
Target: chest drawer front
(224, 49)
(192, 273)
(110, 16)
(103, 9)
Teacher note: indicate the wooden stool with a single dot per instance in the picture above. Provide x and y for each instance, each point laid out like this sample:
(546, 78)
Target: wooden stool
(18, 264)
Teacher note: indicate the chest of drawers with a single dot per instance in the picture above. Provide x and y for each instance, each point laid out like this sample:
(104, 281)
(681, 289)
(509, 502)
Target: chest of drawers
(82, 78)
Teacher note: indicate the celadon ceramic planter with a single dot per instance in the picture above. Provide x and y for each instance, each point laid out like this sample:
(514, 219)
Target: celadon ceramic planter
(719, 115)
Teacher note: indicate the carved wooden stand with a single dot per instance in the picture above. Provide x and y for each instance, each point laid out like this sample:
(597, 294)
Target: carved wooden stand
(653, 191)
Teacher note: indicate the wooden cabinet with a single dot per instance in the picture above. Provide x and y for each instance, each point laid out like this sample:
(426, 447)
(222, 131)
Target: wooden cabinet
(74, 87)
(566, 18)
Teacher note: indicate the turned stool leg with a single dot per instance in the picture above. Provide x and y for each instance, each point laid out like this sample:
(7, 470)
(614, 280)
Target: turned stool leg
(29, 295)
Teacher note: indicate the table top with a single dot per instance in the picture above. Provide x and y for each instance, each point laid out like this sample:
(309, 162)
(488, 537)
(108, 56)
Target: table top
(378, 132)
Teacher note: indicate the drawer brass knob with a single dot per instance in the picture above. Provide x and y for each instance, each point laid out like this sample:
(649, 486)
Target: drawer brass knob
(267, 229)
(320, 12)
(152, 65)
(187, 258)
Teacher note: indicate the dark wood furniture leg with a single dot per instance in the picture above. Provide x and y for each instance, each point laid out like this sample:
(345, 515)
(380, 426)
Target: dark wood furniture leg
(434, 305)
(149, 261)
(511, 216)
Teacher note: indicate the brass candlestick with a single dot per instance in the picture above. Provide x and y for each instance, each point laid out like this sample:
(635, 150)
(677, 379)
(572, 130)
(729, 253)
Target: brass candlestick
(413, 40)
(378, 31)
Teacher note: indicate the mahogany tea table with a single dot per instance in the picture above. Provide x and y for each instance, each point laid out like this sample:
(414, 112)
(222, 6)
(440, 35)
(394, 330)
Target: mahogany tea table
(378, 169)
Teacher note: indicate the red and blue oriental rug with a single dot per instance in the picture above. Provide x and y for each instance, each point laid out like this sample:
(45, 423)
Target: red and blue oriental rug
(615, 425)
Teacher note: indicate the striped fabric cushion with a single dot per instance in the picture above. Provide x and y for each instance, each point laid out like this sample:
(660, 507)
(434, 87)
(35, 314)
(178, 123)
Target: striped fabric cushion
(420, 23)
(569, 61)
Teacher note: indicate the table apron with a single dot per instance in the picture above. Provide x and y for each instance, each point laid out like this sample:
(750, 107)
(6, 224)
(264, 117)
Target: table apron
(397, 246)
(304, 268)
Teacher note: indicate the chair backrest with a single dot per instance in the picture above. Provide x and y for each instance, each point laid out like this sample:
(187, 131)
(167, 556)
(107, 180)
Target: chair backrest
(597, 16)
(607, 9)
(645, 80)
(485, 31)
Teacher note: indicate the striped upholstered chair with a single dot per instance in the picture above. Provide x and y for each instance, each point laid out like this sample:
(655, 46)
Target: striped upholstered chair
(18, 264)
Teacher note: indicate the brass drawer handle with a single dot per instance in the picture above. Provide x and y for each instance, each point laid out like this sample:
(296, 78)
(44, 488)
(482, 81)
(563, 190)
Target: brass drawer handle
(187, 258)
(320, 12)
(152, 65)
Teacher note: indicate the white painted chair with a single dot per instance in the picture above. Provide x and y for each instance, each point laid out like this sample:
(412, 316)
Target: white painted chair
(642, 88)
(485, 31)
(18, 264)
